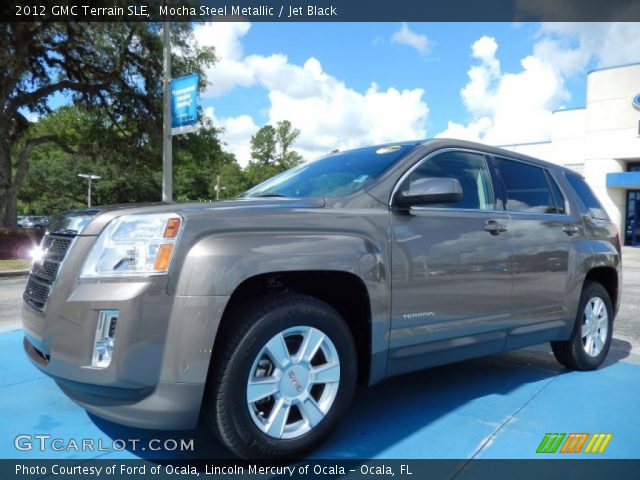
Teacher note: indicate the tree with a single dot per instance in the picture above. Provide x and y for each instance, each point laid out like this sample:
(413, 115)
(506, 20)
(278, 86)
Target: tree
(111, 68)
(286, 135)
(263, 146)
(271, 151)
(198, 159)
(52, 184)
(233, 180)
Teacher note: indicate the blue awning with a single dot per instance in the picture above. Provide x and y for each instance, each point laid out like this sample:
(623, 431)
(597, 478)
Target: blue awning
(624, 180)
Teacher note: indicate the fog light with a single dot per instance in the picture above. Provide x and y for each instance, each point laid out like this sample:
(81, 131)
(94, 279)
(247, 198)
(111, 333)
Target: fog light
(105, 338)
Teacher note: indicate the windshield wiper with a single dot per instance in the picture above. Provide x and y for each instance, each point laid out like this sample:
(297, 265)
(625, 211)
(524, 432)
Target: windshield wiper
(267, 195)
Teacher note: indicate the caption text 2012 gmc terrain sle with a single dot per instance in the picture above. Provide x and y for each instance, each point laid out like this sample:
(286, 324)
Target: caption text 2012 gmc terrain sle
(262, 313)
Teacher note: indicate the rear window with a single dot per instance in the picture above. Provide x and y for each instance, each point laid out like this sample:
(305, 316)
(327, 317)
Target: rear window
(587, 196)
(526, 187)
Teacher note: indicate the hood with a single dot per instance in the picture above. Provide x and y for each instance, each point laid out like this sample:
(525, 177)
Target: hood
(71, 222)
(91, 221)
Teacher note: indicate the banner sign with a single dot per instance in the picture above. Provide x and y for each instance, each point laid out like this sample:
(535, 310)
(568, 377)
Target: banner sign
(184, 101)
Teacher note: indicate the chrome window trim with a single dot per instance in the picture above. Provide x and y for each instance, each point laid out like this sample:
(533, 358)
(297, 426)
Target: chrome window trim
(463, 210)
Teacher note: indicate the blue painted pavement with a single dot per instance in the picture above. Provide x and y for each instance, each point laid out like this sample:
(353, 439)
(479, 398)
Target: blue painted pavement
(494, 407)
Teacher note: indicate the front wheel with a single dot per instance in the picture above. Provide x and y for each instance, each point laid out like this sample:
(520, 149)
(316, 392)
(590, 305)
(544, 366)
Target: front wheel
(591, 337)
(284, 379)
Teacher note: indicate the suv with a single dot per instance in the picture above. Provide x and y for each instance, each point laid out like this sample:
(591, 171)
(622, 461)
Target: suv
(261, 314)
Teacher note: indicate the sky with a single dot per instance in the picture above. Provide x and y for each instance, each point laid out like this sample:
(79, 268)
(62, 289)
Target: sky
(346, 85)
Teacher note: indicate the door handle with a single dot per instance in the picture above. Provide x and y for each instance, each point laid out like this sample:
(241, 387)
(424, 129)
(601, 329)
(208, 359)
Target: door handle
(570, 229)
(494, 227)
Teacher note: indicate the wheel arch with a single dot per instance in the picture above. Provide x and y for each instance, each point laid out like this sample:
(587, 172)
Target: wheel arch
(344, 291)
(608, 278)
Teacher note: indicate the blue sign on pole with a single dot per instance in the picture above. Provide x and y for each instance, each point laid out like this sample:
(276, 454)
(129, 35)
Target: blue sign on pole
(184, 101)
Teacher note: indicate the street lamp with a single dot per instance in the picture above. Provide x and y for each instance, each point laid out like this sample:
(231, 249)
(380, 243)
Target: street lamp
(89, 177)
(217, 187)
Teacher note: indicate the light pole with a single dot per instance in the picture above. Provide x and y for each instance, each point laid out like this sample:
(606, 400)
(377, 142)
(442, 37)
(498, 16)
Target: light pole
(167, 154)
(89, 177)
(217, 188)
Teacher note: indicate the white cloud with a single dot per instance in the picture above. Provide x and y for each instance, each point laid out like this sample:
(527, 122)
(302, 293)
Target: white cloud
(329, 114)
(236, 134)
(515, 107)
(405, 36)
(229, 71)
(608, 43)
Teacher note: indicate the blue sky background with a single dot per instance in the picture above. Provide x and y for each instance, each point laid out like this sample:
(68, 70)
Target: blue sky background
(347, 85)
(362, 53)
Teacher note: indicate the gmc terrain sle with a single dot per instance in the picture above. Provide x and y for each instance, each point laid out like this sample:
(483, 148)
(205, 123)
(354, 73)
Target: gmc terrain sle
(262, 313)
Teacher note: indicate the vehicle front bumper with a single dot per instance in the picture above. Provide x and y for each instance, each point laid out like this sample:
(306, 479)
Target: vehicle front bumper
(163, 346)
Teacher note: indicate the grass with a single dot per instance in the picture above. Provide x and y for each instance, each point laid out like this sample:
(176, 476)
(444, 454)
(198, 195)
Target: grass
(14, 264)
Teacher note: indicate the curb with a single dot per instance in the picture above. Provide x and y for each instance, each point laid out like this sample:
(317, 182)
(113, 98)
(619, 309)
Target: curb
(13, 273)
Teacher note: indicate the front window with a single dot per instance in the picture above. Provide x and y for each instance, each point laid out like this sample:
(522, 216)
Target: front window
(336, 175)
(470, 169)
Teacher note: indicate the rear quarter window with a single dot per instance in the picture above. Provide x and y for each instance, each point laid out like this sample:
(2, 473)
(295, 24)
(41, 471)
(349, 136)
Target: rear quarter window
(587, 196)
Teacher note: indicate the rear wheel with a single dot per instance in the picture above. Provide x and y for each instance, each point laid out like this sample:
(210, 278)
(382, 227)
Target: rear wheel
(591, 337)
(284, 378)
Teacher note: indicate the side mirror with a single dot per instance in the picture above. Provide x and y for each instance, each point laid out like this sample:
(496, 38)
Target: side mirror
(430, 190)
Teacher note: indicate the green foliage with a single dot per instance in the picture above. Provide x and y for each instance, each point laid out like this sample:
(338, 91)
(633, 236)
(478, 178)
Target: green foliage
(233, 181)
(198, 157)
(112, 75)
(271, 152)
(263, 146)
(285, 137)
(114, 72)
(52, 184)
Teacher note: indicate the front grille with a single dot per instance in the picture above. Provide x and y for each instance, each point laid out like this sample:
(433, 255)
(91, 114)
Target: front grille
(56, 246)
(44, 273)
(47, 270)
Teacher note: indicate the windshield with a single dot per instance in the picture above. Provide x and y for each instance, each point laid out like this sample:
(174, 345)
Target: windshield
(336, 175)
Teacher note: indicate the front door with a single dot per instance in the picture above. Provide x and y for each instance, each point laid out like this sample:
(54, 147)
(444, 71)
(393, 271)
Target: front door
(450, 269)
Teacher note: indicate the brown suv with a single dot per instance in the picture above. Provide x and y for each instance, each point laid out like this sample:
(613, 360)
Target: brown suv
(262, 313)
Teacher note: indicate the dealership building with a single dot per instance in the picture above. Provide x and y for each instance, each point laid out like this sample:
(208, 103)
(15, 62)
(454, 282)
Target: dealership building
(602, 142)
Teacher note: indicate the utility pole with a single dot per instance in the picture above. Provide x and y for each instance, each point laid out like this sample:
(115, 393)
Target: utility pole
(167, 153)
(89, 177)
(218, 187)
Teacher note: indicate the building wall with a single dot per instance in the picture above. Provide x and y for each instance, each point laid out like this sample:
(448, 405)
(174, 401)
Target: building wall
(600, 138)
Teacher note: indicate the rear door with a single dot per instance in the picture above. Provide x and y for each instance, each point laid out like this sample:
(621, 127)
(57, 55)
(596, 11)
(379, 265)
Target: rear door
(543, 231)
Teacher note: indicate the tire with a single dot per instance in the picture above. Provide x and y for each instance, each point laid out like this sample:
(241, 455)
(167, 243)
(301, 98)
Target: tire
(590, 340)
(298, 397)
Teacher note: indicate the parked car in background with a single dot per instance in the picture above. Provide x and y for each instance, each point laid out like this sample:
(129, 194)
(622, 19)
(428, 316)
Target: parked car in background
(37, 222)
(261, 313)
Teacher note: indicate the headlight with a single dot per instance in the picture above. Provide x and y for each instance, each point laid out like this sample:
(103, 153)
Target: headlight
(134, 245)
